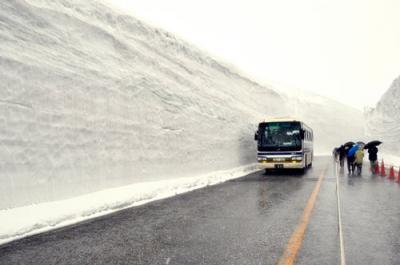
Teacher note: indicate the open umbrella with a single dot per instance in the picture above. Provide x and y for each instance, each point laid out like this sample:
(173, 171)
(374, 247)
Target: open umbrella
(372, 143)
(349, 144)
(353, 150)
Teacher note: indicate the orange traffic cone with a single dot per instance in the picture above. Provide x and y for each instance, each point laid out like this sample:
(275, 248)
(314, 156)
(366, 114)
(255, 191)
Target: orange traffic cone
(391, 173)
(398, 177)
(376, 168)
(383, 172)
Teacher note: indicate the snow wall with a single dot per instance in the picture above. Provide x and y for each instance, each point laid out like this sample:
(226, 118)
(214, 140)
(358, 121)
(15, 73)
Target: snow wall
(383, 121)
(93, 99)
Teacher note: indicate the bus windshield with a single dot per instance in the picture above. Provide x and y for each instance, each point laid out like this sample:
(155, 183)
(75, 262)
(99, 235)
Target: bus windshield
(279, 136)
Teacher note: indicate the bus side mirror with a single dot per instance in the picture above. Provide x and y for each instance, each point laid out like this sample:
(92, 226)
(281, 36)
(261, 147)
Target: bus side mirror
(256, 136)
(302, 132)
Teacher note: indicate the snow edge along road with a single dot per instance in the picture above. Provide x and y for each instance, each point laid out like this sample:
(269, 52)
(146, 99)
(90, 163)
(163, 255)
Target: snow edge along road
(21, 222)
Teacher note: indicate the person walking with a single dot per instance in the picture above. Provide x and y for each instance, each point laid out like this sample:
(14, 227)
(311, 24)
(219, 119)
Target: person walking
(335, 153)
(358, 160)
(342, 155)
(350, 161)
(373, 157)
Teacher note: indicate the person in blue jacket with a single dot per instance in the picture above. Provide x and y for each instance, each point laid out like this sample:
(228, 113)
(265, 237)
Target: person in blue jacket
(350, 160)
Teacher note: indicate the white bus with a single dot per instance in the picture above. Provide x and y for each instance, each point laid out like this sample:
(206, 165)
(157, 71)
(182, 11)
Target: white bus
(284, 143)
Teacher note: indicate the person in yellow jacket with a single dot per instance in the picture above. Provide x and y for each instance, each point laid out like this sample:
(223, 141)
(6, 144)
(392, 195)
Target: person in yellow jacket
(358, 161)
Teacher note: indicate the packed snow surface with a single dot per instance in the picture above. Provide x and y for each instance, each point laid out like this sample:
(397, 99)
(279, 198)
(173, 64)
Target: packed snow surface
(94, 100)
(383, 122)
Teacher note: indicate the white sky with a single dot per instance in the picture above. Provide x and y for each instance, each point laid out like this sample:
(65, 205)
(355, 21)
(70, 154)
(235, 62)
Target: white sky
(348, 50)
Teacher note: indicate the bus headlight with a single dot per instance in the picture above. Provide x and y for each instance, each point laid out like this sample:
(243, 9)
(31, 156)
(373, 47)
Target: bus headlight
(297, 158)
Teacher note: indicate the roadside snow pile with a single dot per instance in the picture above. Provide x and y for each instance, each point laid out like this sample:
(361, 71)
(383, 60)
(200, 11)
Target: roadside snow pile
(28, 220)
(383, 122)
(390, 160)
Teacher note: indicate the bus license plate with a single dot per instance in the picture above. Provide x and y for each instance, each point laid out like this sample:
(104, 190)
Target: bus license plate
(278, 165)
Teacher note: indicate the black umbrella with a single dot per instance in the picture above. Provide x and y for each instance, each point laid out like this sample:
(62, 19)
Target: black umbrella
(372, 143)
(349, 144)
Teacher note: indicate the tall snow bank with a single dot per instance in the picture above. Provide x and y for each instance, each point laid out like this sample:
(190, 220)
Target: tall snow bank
(383, 122)
(93, 99)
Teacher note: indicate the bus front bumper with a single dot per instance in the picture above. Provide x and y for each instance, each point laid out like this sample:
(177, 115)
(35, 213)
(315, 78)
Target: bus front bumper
(280, 165)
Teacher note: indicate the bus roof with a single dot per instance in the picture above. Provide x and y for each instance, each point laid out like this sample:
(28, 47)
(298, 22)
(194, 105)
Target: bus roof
(286, 119)
(283, 119)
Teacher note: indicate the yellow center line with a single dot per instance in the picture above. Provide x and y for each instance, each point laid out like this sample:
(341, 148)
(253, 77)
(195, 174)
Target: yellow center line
(297, 237)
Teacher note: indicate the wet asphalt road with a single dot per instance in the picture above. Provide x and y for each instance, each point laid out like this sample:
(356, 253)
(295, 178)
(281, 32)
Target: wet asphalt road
(244, 221)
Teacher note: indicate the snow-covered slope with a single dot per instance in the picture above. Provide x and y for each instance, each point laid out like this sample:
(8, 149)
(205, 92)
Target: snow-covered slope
(99, 111)
(92, 99)
(383, 122)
